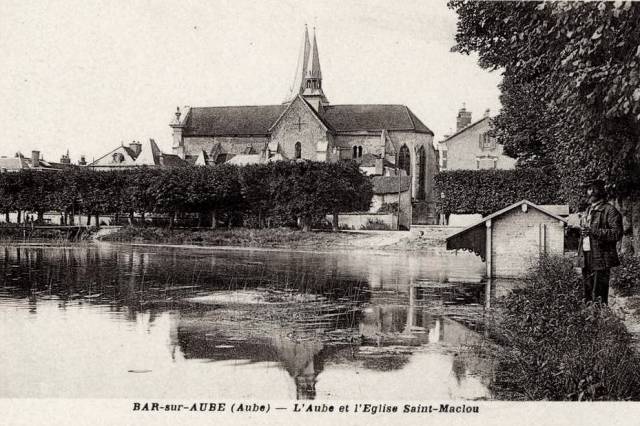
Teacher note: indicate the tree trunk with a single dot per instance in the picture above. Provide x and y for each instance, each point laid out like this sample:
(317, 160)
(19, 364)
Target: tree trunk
(626, 245)
(306, 224)
(131, 218)
(6, 217)
(40, 214)
(334, 222)
(635, 225)
(19, 217)
(213, 219)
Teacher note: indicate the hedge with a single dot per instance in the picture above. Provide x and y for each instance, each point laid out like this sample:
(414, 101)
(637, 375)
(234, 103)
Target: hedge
(486, 191)
(279, 193)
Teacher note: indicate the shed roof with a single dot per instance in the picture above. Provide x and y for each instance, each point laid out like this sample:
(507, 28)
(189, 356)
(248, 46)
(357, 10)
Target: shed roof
(505, 210)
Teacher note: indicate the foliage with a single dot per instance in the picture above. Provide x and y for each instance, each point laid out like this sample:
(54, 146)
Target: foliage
(388, 208)
(571, 87)
(375, 225)
(486, 191)
(274, 193)
(273, 237)
(558, 348)
(626, 277)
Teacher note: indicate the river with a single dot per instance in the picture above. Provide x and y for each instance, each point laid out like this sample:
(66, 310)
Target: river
(120, 321)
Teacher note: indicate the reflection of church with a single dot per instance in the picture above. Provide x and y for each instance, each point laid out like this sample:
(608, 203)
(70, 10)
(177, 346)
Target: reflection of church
(381, 138)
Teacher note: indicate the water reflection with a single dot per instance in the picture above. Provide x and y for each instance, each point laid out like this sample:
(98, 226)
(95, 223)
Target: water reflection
(239, 323)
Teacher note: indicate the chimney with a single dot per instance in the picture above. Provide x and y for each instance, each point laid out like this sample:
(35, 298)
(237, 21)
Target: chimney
(136, 147)
(83, 161)
(380, 166)
(35, 158)
(464, 118)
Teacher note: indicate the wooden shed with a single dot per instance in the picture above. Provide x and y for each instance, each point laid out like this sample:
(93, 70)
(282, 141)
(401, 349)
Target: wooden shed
(511, 239)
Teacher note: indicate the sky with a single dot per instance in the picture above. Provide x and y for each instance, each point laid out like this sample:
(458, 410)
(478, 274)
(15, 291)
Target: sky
(86, 76)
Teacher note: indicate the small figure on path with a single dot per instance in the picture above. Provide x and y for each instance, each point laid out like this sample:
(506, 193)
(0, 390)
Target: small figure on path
(601, 229)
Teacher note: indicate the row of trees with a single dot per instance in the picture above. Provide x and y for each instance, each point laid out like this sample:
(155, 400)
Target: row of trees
(279, 193)
(570, 92)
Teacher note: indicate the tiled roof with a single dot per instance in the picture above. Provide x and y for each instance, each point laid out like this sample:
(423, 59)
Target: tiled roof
(390, 184)
(13, 163)
(369, 160)
(231, 120)
(257, 120)
(344, 118)
(172, 160)
(464, 129)
(244, 159)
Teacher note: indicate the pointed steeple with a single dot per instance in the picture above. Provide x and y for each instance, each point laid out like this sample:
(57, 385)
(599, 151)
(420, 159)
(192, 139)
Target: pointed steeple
(313, 66)
(301, 67)
(313, 78)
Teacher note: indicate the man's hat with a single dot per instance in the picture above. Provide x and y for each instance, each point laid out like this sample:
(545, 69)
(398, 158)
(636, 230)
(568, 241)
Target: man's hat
(598, 184)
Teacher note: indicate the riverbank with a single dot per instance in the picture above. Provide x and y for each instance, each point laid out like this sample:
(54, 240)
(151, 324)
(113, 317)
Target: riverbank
(284, 238)
(548, 345)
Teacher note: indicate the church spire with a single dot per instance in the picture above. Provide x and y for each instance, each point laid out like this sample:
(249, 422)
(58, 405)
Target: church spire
(313, 68)
(313, 78)
(301, 67)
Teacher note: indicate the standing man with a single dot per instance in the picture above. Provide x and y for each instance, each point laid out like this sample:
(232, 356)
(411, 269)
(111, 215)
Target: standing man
(601, 229)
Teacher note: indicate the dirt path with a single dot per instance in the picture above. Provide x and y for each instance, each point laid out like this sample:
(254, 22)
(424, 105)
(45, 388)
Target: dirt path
(378, 239)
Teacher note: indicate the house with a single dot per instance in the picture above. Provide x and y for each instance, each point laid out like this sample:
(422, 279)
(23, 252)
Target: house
(307, 126)
(511, 239)
(136, 154)
(472, 147)
(35, 162)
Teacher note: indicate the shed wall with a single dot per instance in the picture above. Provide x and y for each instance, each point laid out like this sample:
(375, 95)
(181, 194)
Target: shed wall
(518, 240)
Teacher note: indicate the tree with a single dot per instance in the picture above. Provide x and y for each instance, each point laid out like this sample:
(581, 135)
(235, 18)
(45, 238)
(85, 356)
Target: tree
(571, 88)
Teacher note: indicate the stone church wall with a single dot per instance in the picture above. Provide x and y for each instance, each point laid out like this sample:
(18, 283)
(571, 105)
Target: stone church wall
(371, 144)
(414, 141)
(310, 132)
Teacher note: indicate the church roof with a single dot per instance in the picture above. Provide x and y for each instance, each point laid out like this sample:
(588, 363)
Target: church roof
(257, 120)
(231, 120)
(345, 118)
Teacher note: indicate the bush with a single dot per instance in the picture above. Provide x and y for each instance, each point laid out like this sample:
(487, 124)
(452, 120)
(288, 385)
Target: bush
(375, 225)
(558, 348)
(389, 208)
(486, 191)
(626, 277)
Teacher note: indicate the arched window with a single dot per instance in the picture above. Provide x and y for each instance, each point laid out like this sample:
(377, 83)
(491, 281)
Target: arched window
(298, 150)
(404, 160)
(355, 152)
(422, 173)
(359, 151)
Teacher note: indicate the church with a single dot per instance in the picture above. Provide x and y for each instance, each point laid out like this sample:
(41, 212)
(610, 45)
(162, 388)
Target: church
(386, 140)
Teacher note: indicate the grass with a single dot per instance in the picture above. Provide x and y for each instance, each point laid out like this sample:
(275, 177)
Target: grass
(552, 346)
(273, 237)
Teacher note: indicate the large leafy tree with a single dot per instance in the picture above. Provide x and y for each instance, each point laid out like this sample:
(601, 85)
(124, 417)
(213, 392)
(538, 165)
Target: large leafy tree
(571, 88)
